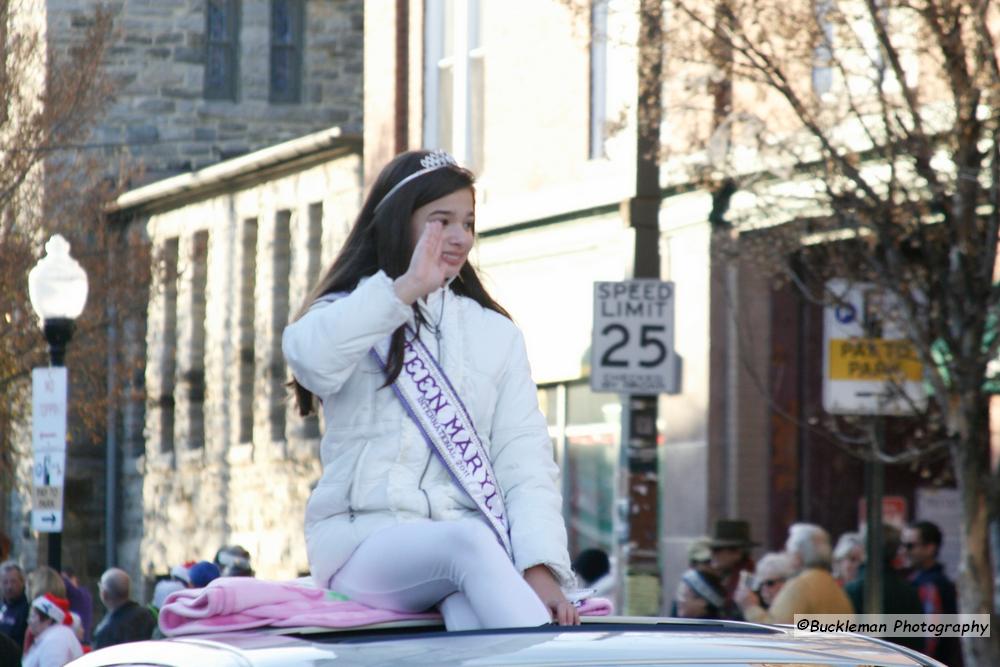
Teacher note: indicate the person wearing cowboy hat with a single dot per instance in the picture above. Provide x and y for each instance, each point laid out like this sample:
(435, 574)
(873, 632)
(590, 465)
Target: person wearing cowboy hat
(699, 595)
(51, 625)
(730, 545)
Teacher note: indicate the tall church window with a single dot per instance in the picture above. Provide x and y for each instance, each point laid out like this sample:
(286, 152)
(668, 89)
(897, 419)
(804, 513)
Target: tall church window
(194, 373)
(287, 20)
(221, 49)
(168, 348)
(247, 329)
(281, 266)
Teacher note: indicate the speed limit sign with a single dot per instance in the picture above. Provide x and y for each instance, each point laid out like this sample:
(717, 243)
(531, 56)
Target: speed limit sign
(632, 345)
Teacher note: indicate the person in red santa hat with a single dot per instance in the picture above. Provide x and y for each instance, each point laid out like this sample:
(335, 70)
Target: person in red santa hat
(51, 625)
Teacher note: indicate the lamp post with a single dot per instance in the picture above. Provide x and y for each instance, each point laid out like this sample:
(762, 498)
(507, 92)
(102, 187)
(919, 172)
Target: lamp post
(57, 287)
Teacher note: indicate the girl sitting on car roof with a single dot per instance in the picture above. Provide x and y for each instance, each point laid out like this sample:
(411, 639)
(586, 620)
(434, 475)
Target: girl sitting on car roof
(439, 486)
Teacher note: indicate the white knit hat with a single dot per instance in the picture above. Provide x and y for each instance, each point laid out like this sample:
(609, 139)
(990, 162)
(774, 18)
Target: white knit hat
(163, 589)
(54, 607)
(182, 572)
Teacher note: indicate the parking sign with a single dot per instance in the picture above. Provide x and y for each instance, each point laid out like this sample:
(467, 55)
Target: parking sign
(632, 343)
(48, 440)
(869, 366)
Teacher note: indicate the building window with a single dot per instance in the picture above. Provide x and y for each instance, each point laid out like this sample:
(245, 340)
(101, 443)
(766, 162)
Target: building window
(477, 88)
(134, 408)
(822, 69)
(315, 245)
(247, 341)
(454, 106)
(194, 376)
(586, 431)
(168, 350)
(598, 77)
(287, 20)
(314, 258)
(281, 266)
(221, 49)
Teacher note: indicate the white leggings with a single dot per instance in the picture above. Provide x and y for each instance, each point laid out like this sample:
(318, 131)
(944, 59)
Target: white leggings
(457, 565)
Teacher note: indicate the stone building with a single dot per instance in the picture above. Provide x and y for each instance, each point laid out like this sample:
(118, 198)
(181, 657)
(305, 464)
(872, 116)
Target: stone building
(225, 460)
(199, 82)
(202, 81)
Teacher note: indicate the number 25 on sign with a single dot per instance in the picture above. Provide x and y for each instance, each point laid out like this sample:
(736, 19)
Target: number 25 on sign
(633, 338)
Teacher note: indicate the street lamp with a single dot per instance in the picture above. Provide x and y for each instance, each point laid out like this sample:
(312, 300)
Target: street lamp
(57, 287)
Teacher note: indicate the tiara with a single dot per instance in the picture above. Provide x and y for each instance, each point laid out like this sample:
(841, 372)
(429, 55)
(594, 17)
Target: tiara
(433, 161)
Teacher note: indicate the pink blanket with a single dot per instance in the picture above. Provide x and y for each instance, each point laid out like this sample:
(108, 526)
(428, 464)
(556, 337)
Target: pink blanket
(240, 603)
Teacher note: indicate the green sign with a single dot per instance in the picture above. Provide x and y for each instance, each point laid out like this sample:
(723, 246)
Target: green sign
(943, 358)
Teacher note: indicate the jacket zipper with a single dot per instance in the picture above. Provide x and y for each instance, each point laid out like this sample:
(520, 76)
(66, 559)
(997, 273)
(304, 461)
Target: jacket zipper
(355, 482)
(435, 328)
(420, 486)
(430, 454)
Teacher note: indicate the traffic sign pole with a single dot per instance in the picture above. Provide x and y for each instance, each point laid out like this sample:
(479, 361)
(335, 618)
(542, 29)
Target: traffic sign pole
(874, 530)
(640, 556)
(48, 398)
(632, 354)
(870, 369)
(641, 553)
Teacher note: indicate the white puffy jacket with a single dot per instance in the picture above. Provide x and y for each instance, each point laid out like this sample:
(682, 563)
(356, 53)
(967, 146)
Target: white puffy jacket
(377, 468)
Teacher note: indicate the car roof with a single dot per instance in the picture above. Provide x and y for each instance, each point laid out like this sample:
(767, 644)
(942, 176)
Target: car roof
(600, 641)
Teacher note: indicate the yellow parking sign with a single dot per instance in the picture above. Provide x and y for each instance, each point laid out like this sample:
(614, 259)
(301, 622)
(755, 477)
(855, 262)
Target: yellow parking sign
(874, 359)
(870, 367)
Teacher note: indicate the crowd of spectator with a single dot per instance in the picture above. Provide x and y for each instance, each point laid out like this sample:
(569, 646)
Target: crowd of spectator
(47, 617)
(809, 576)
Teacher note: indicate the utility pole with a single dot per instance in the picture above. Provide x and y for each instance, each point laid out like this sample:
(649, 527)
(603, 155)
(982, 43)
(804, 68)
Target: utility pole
(639, 412)
(874, 530)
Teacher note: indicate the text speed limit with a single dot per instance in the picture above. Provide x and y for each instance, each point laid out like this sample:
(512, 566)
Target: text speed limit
(633, 338)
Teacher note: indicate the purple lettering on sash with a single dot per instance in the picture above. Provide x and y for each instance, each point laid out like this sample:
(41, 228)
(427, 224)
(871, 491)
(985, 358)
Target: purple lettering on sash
(423, 379)
(454, 427)
(413, 365)
(437, 403)
(451, 434)
(426, 383)
(488, 485)
(488, 500)
(462, 446)
(476, 462)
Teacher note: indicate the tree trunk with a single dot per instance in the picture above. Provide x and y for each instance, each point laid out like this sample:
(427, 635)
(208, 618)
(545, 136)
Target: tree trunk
(971, 458)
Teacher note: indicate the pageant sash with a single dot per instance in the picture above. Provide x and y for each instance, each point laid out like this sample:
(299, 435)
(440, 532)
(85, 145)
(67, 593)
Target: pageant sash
(434, 405)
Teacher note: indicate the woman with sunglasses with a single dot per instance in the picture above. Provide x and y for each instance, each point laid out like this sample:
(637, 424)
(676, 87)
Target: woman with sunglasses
(773, 570)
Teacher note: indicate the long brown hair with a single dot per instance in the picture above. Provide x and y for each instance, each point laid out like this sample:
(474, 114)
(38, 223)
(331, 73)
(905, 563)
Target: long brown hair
(381, 239)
